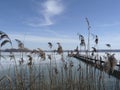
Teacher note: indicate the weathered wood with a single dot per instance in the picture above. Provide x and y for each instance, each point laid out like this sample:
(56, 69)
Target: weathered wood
(100, 66)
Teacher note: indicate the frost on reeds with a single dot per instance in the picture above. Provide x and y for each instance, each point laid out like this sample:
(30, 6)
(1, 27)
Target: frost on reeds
(110, 62)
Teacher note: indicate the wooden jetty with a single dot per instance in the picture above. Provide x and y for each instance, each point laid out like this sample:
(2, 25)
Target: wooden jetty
(100, 65)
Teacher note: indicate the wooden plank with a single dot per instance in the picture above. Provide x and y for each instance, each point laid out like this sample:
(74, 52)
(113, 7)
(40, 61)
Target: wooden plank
(92, 62)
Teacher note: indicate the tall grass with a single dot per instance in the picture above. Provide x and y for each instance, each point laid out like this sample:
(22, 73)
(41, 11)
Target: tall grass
(36, 71)
(45, 76)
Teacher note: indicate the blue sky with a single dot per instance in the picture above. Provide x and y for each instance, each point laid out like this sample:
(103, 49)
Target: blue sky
(36, 22)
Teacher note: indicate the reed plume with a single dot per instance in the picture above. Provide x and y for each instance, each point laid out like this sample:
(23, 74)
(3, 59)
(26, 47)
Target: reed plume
(82, 40)
(30, 60)
(5, 39)
(110, 63)
(34, 51)
(94, 49)
(76, 50)
(59, 50)
(49, 57)
(108, 45)
(50, 44)
(20, 44)
(41, 54)
(96, 39)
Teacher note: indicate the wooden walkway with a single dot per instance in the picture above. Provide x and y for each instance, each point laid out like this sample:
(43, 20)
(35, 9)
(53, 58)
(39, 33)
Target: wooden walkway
(100, 65)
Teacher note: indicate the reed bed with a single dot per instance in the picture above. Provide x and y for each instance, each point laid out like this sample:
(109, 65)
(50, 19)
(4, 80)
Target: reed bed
(54, 74)
(38, 70)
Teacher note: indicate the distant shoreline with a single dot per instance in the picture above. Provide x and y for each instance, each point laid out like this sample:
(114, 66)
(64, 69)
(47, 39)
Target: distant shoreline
(22, 50)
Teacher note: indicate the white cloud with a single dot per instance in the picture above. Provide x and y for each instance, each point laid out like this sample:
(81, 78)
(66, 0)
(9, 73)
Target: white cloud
(50, 9)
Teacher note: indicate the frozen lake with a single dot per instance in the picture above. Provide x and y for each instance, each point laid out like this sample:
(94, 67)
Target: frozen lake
(75, 69)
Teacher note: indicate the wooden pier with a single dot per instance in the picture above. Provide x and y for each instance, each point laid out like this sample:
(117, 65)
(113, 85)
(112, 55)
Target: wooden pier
(100, 66)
